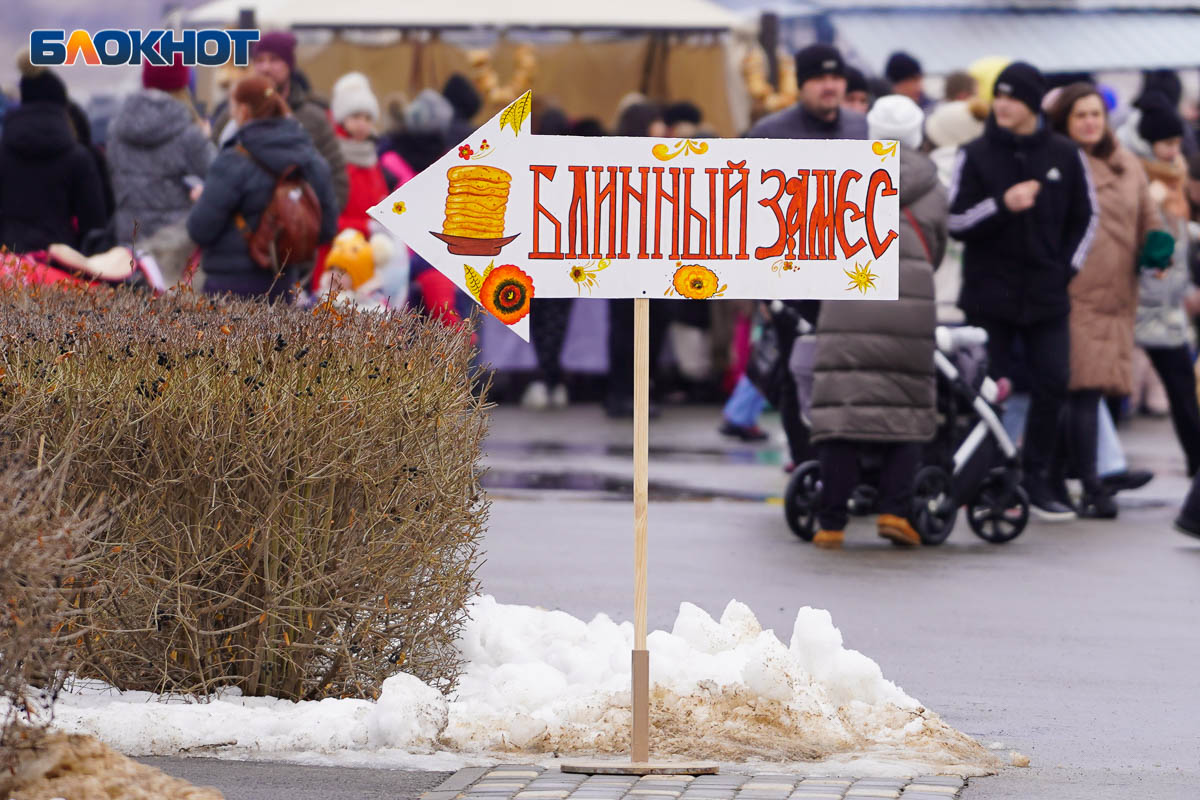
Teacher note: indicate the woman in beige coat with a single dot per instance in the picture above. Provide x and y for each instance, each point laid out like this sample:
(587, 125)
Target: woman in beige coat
(1104, 294)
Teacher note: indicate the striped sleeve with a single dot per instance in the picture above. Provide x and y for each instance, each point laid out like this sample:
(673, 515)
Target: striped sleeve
(963, 219)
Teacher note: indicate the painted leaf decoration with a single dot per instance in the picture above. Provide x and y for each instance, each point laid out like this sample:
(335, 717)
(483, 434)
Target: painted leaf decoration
(474, 280)
(489, 269)
(517, 113)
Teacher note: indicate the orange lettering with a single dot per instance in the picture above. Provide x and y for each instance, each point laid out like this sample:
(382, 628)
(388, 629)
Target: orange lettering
(546, 171)
(880, 179)
(600, 195)
(763, 253)
(844, 206)
(577, 215)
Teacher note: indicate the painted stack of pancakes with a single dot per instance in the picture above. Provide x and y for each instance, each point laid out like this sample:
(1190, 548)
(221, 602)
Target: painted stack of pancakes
(475, 202)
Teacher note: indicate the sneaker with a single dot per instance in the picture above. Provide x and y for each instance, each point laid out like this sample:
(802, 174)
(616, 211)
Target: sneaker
(1043, 503)
(1127, 480)
(829, 540)
(536, 397)
(898, 531)
(1097, 504)
(1188, 526)
(1058, 487)
(559, 397)
(747, 433)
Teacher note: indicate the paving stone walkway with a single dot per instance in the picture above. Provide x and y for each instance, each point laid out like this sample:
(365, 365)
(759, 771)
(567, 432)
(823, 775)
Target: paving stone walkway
(527, 782)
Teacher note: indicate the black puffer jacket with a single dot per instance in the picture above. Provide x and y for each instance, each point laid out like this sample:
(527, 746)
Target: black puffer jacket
(237, 185)
(873, 378)
(1016, 267)
(50, 188)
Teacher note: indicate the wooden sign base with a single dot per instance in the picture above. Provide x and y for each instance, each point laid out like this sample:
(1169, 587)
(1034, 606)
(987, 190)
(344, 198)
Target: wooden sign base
(641, 768)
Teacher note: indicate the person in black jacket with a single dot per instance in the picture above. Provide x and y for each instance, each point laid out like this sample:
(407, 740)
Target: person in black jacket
(236, 184)
(1022, 202)
(50, 187)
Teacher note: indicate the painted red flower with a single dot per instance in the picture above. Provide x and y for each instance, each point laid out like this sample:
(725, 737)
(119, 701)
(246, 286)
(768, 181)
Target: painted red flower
(465, 151)
(507, 292)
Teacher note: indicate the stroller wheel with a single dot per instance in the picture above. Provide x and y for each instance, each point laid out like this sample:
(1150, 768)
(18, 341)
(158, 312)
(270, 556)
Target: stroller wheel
(999, 511)
(933, 509)
(800, 500)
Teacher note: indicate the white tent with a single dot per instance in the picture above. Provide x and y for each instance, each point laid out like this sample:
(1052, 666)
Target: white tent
(628, 15)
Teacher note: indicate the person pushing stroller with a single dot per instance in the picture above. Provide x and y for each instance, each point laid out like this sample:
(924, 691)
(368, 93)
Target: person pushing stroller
(874, 382)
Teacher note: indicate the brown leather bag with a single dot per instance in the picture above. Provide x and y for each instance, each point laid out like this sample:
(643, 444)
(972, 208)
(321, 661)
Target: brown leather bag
(290, 225)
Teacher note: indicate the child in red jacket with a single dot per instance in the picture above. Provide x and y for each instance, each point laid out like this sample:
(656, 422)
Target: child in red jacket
(355, 110)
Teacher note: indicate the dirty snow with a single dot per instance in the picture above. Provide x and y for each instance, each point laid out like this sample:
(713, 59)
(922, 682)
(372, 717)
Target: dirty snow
(541, 683)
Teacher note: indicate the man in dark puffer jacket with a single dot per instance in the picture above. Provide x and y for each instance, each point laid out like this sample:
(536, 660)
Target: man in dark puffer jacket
(50, 187)
(1021, 200)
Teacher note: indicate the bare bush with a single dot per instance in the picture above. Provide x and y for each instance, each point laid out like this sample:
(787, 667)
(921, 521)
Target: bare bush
(42, 549)
(297, 509)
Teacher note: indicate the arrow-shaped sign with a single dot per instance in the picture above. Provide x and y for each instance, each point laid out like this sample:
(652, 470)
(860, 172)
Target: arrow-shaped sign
(509, 216)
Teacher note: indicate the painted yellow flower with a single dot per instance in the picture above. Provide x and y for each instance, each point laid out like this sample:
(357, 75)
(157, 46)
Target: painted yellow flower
(398, 207)
(696, 282)
(861, 278)
(585, 275)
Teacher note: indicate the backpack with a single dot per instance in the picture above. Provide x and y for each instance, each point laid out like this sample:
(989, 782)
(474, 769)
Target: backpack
(290, 225)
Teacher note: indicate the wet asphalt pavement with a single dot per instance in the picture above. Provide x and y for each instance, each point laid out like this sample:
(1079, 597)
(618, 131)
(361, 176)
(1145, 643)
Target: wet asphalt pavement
(1077, 644)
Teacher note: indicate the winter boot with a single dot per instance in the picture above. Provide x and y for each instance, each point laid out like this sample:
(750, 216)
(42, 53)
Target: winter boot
(898, 531)
(1044, 504)
(829, 540)
(1188, 521)
(1097, 502)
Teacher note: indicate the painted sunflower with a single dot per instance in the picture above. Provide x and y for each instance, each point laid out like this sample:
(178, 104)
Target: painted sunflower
(507, 292)
(696, 282)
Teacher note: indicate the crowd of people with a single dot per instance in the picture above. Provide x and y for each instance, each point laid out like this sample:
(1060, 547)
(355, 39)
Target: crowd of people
(1065, 236)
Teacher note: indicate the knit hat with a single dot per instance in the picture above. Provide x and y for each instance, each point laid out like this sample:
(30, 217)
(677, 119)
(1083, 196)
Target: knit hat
(1024, 82)
(901, 66)
(352, 95)
(1159, 119)
(682, 112)
(817, 60)
(896, 117)
(38, 84)
(167, 78)
(952, 124)
(429, 112)
(1163, 82)
(278, 43)
(856, 81)
(351, 253)
(463, 96)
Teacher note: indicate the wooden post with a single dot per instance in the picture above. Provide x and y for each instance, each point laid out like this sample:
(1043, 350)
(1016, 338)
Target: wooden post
(641, 463)
(639, 761)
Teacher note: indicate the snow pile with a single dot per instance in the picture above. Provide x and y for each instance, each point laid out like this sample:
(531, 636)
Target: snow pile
(408, 715)
(544, 681)
(540, 681)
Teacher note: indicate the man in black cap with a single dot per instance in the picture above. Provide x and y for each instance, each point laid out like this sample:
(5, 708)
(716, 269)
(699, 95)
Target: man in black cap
(905, 75)
(1022, 202)
(819, 114)
(821, 76)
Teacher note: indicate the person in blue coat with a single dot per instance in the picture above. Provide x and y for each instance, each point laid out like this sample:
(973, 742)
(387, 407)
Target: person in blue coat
(236, 184)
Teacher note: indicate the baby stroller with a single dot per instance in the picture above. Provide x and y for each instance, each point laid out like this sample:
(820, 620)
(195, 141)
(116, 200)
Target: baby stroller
(971, 462)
